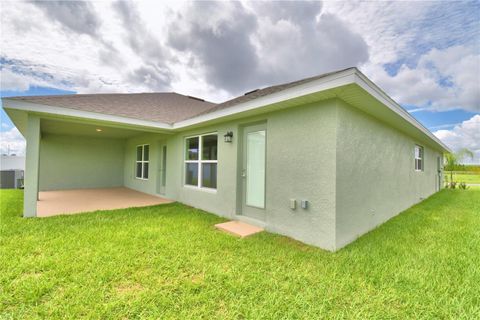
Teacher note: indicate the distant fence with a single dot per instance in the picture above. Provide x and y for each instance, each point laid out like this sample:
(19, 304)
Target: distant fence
(462, 172)
(466, 168)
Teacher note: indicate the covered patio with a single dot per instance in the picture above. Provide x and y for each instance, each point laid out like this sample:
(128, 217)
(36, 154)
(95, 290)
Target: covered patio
(52, 203)
(78, 165)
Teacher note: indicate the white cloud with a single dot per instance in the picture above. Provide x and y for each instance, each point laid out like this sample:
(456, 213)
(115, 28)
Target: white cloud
(464, 135)
(387, 27)
(12, 141)
(428, 41)
(239, 47)
(442, 80)
(51, 54)
(91, 47)
(290, 49)
(416, 110)
(13, 81)
(444, 126)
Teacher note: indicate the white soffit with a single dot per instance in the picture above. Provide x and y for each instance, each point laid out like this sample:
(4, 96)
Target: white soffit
(335, 80)
(329, 82)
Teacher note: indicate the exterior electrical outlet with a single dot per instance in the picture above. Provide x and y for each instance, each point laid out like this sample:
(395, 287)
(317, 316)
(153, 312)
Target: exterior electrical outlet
(304, 204)
(293, 204)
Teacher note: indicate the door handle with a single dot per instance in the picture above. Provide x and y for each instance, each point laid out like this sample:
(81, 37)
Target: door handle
(244, 174)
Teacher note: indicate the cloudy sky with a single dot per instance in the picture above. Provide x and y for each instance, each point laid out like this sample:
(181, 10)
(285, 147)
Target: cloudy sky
(426, 55)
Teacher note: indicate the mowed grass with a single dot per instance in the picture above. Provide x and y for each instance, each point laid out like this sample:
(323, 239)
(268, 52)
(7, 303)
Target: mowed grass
(168, 261)
(473, 178)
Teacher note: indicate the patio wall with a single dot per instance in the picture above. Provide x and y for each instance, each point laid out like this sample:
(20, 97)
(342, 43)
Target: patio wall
(151, 185)
(72, 162)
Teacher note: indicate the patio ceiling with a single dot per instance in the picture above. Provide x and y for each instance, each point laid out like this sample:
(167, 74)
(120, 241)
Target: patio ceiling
(63, 127)
(73, 125)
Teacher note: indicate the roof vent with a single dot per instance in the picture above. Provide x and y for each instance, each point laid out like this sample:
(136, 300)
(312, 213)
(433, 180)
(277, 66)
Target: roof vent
(195, 98)
(246, 94)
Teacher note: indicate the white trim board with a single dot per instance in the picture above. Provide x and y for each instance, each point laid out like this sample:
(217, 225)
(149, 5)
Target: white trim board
(60, 111)
(332, 81)
(381, 96)
(328, 82)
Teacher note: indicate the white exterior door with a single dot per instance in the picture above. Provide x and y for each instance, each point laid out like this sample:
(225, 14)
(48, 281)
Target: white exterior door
(254, 171)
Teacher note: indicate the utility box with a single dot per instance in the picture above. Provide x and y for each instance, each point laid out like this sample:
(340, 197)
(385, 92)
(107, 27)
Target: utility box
(293, 204)
(304, 204)
(11, 179)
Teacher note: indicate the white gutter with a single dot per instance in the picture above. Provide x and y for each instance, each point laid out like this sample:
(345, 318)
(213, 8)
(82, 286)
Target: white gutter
(66, 112)
(381, 96)
(346, 77)
(328, 82)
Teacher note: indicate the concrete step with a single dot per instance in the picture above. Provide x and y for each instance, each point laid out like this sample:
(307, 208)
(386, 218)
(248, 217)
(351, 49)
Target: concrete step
(238, 228)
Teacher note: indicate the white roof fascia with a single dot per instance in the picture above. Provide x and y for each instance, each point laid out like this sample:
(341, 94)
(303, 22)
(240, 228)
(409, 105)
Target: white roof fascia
(381, 96)
(332, 81)
(328, 82)
(60, 111)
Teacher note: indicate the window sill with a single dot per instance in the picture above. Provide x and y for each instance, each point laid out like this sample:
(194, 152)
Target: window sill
(203, 189)
(143, 179)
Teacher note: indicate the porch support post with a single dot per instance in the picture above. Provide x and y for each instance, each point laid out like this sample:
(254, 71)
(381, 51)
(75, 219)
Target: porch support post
(32, 161)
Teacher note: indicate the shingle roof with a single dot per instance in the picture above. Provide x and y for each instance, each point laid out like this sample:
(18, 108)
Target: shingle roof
(251, 95)
(171, 107)
(167, 107)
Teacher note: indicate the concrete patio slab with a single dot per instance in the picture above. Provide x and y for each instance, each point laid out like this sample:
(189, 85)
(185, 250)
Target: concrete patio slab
(53, 203)
(238, 228)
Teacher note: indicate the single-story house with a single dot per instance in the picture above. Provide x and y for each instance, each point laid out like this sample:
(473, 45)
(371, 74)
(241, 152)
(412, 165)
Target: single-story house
(322, 160)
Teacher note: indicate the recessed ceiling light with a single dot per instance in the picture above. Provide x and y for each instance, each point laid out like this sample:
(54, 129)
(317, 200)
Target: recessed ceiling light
(98, 130)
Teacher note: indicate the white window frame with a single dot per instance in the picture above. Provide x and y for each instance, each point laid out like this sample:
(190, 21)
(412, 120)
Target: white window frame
(199, 162)
(421, 157)
(142, 161)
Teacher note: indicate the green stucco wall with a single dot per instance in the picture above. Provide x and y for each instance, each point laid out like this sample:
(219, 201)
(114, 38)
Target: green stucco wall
(71, 162)
(222, 202)
(355, 171)
(300, 165)
(376, 179)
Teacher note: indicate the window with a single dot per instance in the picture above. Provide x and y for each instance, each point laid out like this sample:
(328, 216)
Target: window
(418, 158)
(201, 161)
(141, 164)
(255, 167)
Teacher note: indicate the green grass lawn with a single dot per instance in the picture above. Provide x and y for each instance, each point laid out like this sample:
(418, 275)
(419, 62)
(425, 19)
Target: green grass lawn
(464, 177)
(168, 261)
